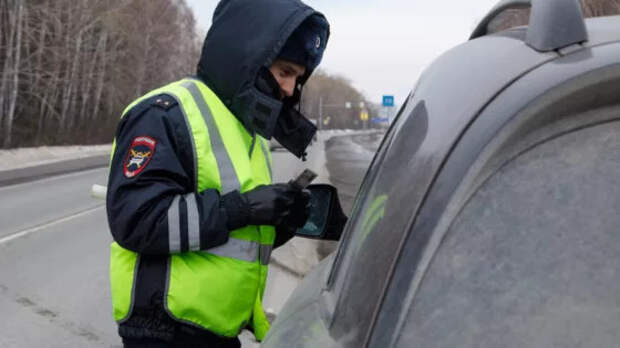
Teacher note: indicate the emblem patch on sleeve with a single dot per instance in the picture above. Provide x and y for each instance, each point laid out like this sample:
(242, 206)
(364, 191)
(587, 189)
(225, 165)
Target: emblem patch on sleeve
(140, 154)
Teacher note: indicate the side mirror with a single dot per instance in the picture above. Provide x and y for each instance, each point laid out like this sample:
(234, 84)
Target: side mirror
(326, 219)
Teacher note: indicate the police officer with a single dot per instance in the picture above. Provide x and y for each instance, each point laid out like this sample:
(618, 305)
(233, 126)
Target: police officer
(191, 204)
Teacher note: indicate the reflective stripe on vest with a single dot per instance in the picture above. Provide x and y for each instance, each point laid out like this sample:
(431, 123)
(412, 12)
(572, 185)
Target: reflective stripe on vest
(228, 176)
(192, 223)
(266, 154)
(174, 221)
(243, 250)
(235, 248)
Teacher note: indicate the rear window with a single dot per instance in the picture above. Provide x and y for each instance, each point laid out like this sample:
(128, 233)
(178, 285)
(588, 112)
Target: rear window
(516, 17)
(508, 19)
(532, 259)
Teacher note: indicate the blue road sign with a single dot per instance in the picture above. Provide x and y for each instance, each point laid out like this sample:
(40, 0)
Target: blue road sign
(380, 120)
(388, 100)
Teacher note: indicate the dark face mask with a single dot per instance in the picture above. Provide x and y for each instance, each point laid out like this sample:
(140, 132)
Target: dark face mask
(292, 130)
(259, 106)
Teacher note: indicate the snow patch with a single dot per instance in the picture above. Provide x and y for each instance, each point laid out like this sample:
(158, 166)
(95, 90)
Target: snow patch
(33, 156)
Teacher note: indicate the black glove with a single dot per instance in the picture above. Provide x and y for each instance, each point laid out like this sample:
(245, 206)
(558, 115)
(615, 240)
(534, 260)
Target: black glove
(300, 210)
(265, 205)
(283, 234)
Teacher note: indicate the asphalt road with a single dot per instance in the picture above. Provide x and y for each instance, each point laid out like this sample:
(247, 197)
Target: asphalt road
(347, 161)
(54, 264)
(54, 239)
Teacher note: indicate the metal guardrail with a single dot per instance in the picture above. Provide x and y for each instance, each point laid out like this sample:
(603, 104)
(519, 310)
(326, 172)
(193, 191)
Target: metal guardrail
(553, 23)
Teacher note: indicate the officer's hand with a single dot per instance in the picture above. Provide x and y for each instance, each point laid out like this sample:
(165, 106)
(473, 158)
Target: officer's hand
(284, 233)
(299, 211)
(271, 204)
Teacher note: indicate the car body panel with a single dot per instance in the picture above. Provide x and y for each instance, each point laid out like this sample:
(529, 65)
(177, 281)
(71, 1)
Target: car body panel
(450, 78)
(299, 323)
(602, 30)
(453, 77)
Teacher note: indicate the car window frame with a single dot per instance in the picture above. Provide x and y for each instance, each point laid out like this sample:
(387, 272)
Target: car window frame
(360, 198)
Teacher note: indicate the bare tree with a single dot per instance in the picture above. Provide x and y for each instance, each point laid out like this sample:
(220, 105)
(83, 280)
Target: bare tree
(10, 73)
(69, 68)
(597, 8)
(326, 96)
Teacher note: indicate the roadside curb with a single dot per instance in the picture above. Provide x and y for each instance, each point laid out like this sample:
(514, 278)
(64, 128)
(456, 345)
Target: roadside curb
(40, 171)
(274, 262)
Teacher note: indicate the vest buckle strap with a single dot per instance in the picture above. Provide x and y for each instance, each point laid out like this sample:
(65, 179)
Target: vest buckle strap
(265, 149)
(265, 253)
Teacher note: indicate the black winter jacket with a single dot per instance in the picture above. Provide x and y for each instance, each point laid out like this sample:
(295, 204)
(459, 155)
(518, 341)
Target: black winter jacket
(152, 160)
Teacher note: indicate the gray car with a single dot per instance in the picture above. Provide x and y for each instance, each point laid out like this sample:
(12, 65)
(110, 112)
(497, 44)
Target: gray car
(489, 216)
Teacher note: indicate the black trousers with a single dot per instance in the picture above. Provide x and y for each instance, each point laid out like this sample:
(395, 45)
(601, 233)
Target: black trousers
(154, 343)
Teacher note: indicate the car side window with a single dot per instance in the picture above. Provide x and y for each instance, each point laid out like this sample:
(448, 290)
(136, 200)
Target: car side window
(376, 227)
(531, 260)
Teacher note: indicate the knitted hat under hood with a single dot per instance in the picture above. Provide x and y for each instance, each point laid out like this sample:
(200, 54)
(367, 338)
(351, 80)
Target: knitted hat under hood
(245, 37)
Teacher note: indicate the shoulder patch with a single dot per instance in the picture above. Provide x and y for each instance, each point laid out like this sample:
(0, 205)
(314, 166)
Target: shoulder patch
(140, 153)
(164, 101)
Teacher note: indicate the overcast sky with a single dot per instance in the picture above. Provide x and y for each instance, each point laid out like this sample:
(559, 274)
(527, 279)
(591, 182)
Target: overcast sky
(382, 46)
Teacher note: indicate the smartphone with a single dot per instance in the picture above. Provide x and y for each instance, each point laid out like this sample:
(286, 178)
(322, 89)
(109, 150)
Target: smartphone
(304, 179)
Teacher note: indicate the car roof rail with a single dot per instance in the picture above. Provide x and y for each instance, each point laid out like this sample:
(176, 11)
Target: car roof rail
(553, 23)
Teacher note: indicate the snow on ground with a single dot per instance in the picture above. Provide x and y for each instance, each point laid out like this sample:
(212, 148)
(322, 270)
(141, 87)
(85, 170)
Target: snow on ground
(33, 156)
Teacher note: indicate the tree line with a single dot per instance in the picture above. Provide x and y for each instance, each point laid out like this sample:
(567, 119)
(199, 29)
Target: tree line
(68, 68)
(333, 101)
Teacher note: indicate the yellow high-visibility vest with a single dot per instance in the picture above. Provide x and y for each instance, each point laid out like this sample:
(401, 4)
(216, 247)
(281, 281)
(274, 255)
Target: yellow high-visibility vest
(218, 289)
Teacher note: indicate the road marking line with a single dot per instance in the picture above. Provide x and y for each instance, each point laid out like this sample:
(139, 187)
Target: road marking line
(31, 230)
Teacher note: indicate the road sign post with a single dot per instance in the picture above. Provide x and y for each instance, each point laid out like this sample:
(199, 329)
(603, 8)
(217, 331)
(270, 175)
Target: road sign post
(388, 104)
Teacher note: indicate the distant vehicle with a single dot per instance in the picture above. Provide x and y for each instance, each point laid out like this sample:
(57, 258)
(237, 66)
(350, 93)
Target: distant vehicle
(490, 215)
